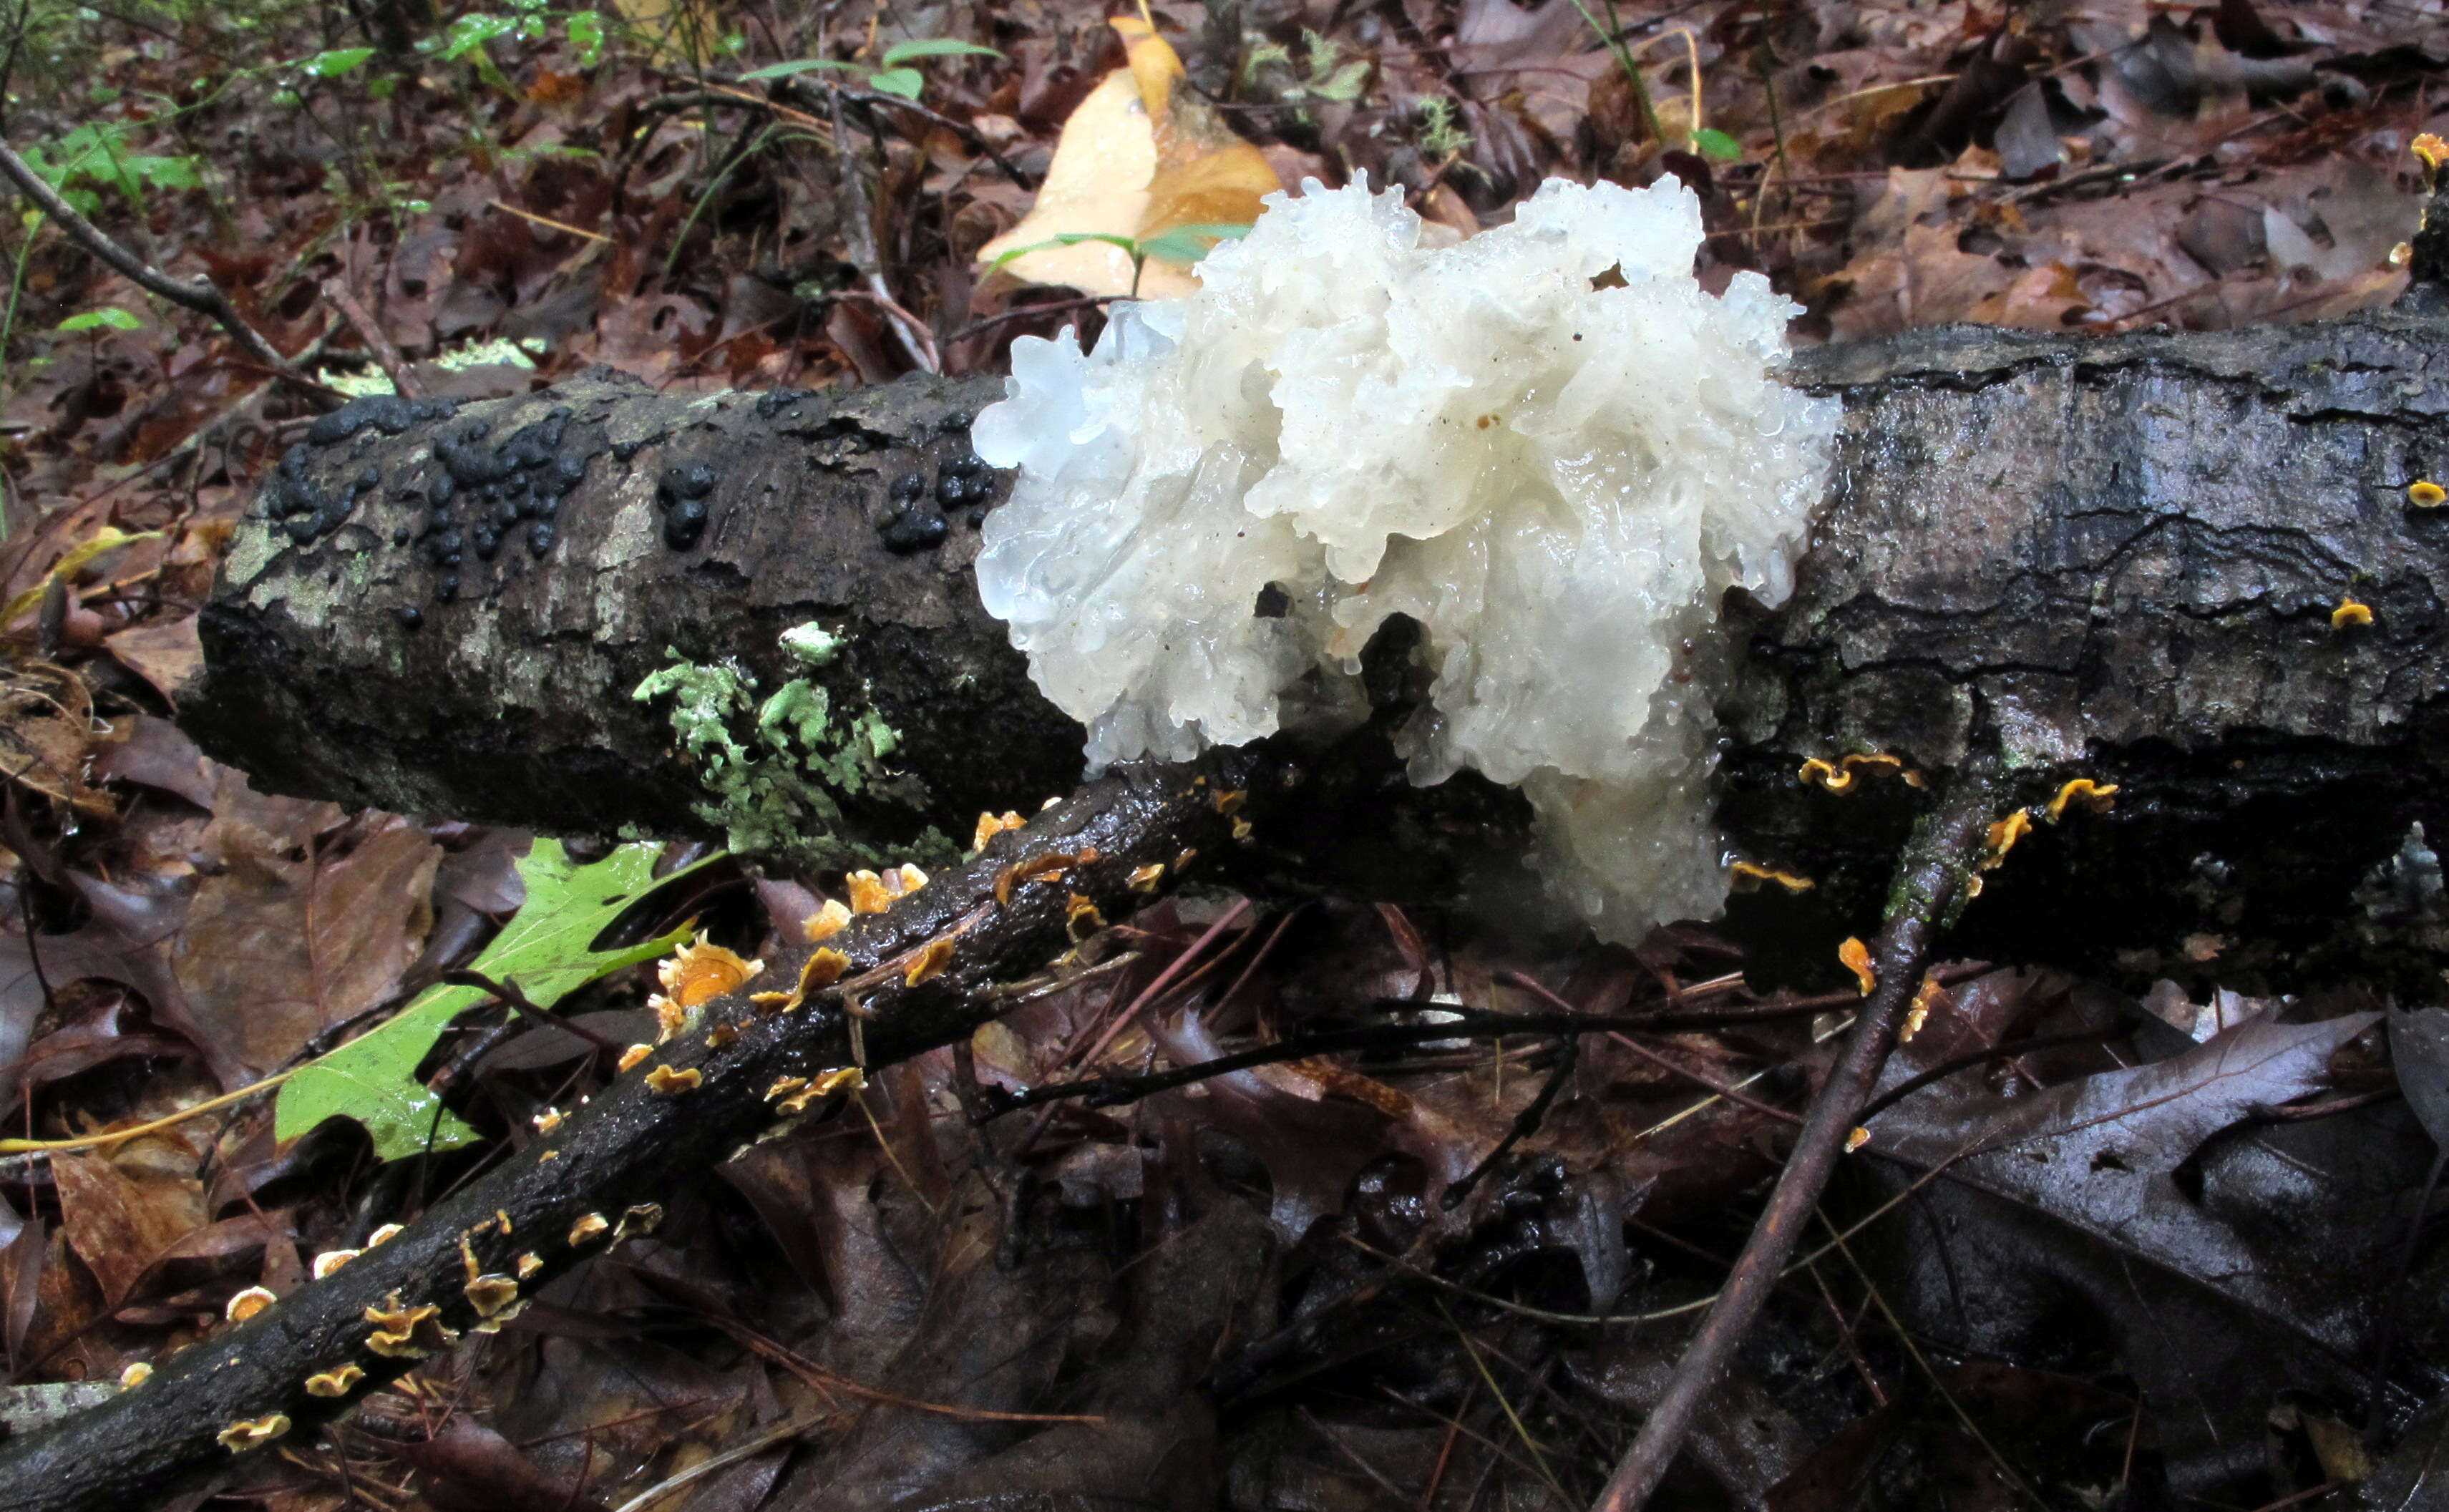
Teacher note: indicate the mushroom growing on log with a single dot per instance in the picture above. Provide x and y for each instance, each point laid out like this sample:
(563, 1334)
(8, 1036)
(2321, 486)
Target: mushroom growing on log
(2133, 552)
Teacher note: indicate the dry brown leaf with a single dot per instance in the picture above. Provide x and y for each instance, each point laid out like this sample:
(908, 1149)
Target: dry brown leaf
(118, 1222)
(286, 943)
(166, 653)
(46, 736)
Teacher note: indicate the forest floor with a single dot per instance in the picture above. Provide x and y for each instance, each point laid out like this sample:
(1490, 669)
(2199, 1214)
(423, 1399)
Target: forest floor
(1256, 1289)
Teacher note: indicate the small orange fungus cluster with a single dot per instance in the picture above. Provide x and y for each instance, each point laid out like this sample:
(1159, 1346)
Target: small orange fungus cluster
(696, 974)
(1751, 877)
(991, 825)
(823, 968)
(1838, 777)
(872, 893)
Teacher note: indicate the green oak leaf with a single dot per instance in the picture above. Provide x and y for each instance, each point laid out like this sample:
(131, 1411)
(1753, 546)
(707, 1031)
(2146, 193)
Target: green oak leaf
(547, 950)
(1711, 143)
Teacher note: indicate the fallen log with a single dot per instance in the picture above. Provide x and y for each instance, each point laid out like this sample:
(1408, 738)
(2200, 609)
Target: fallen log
(2187, 564)
(2123, 557)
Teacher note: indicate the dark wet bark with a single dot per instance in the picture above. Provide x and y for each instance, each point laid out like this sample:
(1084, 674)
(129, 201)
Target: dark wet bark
(2128, 553)
(600, 527)
(2128, 550)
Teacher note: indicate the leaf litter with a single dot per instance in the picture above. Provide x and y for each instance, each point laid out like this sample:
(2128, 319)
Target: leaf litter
(2156, 1254)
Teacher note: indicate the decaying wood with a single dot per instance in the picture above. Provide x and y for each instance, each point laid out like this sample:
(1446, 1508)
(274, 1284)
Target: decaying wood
(337, 664)
(631, 1146)
(2128, 550)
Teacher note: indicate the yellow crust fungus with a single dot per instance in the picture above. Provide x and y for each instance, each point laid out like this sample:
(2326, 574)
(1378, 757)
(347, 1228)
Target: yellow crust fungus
(643, 1218)
(631, 1056)
(590, 1226)
(991, 825)
(254, 1433)
(134, 1376)
(848, 1077)
(930, 961)
(248, 1303)
(336, 1381)
(826, 921)
(699, 972)
(2083, 793)
(489, 1293)
(1145, 879)
(669, 1081)
(2002, 838)
(823, 968)
(2349, 613)
(1856, 957)
(2425, 494)
(1751, 875)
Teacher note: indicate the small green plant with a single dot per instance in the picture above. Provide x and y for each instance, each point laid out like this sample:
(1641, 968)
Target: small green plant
(1442, 137)
(467, 38)
(109, 317)
(1183, 244)
(1700, 139)
(895, 77)
(1326, 76)
(96, 156)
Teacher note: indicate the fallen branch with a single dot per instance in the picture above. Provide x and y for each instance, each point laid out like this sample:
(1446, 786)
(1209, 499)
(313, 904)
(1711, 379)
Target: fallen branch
(2023, 521)
(378, 344)
(1930, 876)
(203, 296)
(921, 975)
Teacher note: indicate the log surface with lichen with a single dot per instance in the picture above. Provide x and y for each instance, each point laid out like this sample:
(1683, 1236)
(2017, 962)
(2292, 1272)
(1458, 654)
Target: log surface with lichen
(449, 610)
(2129, 554)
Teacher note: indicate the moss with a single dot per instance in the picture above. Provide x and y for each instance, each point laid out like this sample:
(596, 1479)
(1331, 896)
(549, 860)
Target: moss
(776, 789)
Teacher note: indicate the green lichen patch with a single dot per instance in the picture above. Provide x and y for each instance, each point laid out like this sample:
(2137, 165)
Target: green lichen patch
(775, 770)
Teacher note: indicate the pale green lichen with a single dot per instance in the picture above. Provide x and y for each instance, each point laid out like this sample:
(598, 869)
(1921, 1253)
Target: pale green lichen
(775, 791)
(814, 644)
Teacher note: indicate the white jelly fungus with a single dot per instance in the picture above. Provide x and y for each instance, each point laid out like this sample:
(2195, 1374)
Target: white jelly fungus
(1558, 480)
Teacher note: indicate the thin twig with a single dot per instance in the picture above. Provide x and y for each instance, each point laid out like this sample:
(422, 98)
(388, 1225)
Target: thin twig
(980, 328)
(379, 345)
(204, 297)
(1930, 876)
(508, 994)
(859, 229)
(548, 221)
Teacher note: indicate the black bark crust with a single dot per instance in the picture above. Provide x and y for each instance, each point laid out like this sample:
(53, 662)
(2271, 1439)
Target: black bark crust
(1004, 916)
(446, 610)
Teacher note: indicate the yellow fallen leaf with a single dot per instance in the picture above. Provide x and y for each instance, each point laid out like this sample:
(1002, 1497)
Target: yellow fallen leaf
(1205, 174)
(1134, 160)
(107, 538)
(1097, 185)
